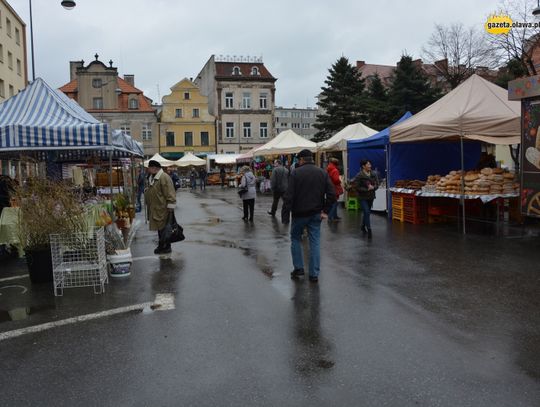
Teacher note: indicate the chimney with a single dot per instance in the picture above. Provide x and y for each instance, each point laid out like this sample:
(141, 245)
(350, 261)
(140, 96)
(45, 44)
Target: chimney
(73, 66)
(130, 79)
(360, 64)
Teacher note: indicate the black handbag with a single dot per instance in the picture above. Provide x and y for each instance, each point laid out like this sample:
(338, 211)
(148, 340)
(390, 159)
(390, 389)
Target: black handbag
(242, 191)
(173, 231)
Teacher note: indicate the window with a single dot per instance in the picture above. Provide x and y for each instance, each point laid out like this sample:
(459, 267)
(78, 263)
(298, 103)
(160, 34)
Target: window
(246, 100)
(10, 60)
(17, 36)
(205, 139)
(295, 125)
(97, 103)
(11, 90)
(255, 70)
(19, 67)
(306, 114)
(263, 130)
(133, 104)
(247, 129)
(305, 125)
(8, 27)
(229, 100)
(170, 138)
(229, 130)
(186, 96)
(295, 115)
(178, 113)
(284, 114)
(147, 132)
(1, 53)
(263, 101)
(2, 89)
(188, 138)
(96, 83)
(126, 129)
(195, 112)
(284, 124)
(236, 71)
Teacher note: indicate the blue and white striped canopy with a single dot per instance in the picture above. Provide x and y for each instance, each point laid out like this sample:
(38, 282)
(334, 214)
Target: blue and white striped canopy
(42, 118)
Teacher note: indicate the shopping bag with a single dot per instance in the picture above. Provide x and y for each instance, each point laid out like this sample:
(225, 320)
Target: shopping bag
(242, 191)
(173, 231)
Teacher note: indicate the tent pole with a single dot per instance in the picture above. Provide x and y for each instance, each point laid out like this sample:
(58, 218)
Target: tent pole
(388, 171)
(111, 173)
(463, 185)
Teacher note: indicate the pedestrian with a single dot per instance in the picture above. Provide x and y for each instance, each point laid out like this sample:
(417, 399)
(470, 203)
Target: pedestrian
(193, 179)
(222, 176)
(366, 183)
(202, 178)
(248, 182)
(174, 177)
(141, 179)
(333, 173)
(160, 198)
(309, 197)
(278, 183)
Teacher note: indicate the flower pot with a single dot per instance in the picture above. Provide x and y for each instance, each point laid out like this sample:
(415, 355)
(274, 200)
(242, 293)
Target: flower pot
(39, 262)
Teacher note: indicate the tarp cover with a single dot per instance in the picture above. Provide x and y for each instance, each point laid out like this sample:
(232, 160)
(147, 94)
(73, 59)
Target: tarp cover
(477, 108)
(40, 117)
(338, 142)
(286, 142)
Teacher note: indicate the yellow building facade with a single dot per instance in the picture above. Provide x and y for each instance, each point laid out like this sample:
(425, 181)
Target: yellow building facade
(186, 125)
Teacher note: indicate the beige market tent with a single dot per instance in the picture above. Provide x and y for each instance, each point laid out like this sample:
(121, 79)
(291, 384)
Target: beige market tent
(286, 142)
(475, 110)
(338, 142)
(163, 161)
(189, 159)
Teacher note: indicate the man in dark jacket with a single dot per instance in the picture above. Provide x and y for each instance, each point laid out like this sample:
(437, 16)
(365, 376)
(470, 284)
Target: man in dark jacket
(279, 182)
(309, 197)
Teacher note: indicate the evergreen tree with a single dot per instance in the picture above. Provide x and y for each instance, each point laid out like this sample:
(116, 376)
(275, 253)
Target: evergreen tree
(341, 100)
(377, 104)
(410, 89)
(514, 69)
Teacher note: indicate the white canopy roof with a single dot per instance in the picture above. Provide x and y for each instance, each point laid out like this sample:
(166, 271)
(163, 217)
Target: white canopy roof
(223, 158)
(478, 109)
(163, 161)
(286, 142)
(189, 159)
(338, 142)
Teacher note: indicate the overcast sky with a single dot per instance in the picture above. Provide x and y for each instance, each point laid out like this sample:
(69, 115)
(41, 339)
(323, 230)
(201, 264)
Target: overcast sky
(163, 41)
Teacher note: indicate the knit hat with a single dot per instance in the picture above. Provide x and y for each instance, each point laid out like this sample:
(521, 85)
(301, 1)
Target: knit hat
(154, 163)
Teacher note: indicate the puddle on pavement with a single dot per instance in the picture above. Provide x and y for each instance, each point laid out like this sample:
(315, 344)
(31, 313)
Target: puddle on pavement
(21, 313)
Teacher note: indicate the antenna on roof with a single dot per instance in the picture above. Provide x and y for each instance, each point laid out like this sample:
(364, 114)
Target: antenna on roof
(158, 94)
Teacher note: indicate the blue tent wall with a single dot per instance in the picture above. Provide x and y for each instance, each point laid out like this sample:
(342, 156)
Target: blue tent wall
(377, 156)
(418, 160)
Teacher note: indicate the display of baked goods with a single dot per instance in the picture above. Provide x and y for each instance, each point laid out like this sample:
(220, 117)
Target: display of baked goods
(409, 184)
(488, 181)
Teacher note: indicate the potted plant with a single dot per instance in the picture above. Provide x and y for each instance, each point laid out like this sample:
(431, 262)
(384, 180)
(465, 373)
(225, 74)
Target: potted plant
(46, 207)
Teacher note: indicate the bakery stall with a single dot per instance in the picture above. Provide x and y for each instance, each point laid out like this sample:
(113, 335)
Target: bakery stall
(435, 156)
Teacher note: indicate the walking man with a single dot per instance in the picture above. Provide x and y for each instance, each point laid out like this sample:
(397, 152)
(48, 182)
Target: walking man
(222, 176)
(202, 178)
(160, 198)
(278, 182)
(309, 197)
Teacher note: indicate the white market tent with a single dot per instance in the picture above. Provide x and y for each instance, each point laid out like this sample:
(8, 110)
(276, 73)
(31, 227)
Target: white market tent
(188, 160)
(475, 110)
(286, 142)
(247, 156)
(338, 142)
(163, 161)
(223, 159)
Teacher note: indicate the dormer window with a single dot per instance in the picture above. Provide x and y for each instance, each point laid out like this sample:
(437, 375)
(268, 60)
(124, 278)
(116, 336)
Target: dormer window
(133, 104)
(236, 71)
(255, 71)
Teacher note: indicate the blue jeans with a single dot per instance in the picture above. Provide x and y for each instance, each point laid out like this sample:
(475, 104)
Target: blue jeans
(333, 211)
(366, 205)
(313, 224)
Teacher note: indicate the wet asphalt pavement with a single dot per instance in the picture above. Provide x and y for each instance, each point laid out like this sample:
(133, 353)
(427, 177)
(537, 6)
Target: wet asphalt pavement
(420, 316)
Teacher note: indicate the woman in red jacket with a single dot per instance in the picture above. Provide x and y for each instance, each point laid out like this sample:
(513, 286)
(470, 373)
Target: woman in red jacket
(333, 172)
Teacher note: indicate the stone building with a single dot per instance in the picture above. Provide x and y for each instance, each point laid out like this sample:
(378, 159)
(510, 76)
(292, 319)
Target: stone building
(114, 100)
(241, 95)
(299, 120)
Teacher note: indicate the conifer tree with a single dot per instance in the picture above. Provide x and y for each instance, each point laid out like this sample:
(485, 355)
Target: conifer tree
(342, 100)
(377, 104)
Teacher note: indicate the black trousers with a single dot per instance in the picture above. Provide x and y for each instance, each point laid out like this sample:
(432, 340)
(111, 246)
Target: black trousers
(162, 244)
(275, 202)
(249, 205)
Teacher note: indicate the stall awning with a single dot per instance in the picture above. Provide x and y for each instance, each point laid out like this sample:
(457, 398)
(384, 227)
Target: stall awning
(189, 159)
(477, 110)
(338, 142)
(40, 118)
(224, 159)
(163, 161)
(286, 142)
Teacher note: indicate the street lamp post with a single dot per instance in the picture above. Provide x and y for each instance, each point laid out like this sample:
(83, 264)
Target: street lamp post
(68, 5)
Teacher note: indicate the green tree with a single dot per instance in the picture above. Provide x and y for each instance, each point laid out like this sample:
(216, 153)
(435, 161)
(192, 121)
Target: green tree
(514, 69)
(410, 89)
(341, 100)
(377, 104)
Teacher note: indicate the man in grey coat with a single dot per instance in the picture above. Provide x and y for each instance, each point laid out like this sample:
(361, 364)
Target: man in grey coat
(279, 182)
